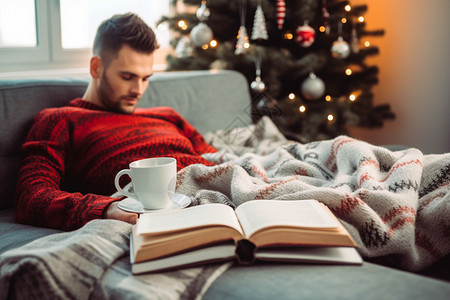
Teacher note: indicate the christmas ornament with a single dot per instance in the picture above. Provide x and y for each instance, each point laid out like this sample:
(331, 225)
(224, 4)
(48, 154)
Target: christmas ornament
(325, 16)
(203, 12)
(259, 31)
(258, 85)
(313, 87)
(242, 38)
(340, 48)
(305, 35)
(281, 13)
(266, 106)
(243, 41)
(201, 34)
(184, 48)
(354, 42)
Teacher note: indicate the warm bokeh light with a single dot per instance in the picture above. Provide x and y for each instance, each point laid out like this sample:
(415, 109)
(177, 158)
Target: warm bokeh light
(322, 29)
(348, 8)
(330, 117)
(344, 20)
(205, 46)
(302, 108)
(352, 97)
(348, 72)
(213, 43)
(361, 19)
(182, 24)
(367, 43)
(291, 96)
(328, 98)
(288, 36)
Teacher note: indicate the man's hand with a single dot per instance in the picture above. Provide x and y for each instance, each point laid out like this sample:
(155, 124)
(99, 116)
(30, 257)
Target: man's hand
(114, 212)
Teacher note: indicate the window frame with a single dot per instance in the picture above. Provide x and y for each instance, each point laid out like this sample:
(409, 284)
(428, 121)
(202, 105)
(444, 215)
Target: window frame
(76, 56)
(49, 55)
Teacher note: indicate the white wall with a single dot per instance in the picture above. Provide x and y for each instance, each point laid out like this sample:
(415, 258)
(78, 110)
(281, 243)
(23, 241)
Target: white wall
(414, 64)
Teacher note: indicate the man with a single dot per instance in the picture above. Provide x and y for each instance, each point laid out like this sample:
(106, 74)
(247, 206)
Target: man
(80, 147)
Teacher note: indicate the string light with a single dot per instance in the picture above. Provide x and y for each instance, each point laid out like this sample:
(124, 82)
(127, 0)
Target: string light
(302, 108)
(328, 98)
(213, 43)
(344, 20)
(291, 96)
(354, 95)
(322, 29)
(330, 117)
(348, 72)
(246, 45)
(205, 46)
(367, 43)
(288, 36)
(361, 19)
(348, 7)
(182, 24)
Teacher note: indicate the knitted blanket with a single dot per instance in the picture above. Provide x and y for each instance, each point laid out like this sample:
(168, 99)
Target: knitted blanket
(93, 263)
(396, 205)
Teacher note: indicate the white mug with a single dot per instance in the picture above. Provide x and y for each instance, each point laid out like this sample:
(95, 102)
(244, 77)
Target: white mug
(154, 181)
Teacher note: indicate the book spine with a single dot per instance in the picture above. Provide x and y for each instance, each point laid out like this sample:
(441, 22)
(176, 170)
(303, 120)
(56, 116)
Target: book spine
(245, 252)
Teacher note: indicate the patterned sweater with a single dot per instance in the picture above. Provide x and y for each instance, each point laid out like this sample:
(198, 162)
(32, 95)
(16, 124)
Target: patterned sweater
(73, 153)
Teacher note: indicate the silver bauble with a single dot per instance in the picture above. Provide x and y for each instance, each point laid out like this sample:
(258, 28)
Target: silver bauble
(203, 13)
(340, 49)
(313, 87)
(258, 85)
(201, 34)
(184, 48)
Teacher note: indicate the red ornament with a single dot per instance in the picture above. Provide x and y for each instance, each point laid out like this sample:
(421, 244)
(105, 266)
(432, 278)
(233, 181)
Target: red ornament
(281, 13)
(305, 35)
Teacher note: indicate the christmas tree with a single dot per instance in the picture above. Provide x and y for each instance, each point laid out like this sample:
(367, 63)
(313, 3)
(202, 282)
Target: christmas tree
(304, 60)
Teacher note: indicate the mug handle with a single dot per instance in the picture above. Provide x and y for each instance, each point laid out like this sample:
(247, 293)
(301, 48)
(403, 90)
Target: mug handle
(116, 183)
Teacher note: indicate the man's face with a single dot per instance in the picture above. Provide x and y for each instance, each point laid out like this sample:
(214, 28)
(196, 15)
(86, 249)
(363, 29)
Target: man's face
(124, 80)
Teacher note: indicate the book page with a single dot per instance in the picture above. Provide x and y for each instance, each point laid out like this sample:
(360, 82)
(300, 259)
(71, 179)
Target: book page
(221, 252)
(258, 214)
(330, 255)
(187, 218)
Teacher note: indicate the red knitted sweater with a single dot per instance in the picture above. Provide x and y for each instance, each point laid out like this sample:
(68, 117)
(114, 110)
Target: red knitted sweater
(81, 147)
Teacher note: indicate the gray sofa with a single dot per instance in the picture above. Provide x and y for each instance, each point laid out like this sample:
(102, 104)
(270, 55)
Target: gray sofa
(210, 101)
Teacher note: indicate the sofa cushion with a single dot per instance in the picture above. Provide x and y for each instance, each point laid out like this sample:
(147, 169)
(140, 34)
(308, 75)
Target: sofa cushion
(196, 95)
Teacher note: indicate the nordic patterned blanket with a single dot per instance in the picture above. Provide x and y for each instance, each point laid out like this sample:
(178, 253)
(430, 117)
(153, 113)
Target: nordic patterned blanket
(395, 205)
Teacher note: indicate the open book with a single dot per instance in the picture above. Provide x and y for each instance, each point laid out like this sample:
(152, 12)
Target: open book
(274, 230)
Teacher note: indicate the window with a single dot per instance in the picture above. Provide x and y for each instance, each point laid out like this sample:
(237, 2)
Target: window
(56, 34)
(17, 23)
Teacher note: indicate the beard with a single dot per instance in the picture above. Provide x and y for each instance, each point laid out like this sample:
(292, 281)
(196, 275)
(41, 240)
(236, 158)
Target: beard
(106, 97)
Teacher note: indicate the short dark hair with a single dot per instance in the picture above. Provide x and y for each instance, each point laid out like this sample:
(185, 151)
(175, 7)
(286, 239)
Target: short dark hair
(123, 29)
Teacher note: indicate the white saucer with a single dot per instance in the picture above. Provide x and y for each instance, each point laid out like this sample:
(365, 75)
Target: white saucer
(133, 205)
